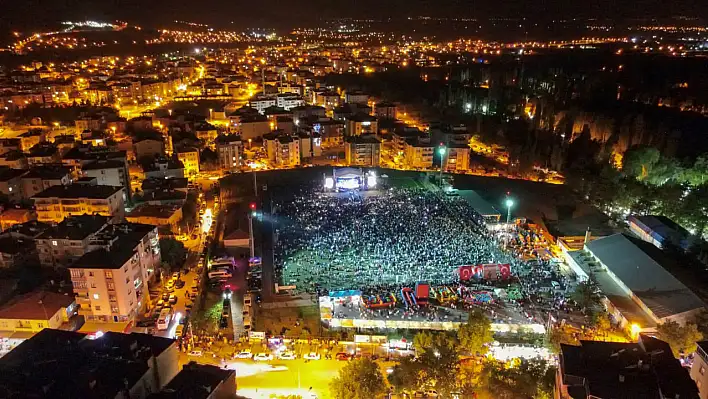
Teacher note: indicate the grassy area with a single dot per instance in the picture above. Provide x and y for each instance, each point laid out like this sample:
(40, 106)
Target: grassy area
(207, 317)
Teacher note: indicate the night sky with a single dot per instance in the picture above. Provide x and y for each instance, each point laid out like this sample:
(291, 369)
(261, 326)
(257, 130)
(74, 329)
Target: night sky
(18, 13)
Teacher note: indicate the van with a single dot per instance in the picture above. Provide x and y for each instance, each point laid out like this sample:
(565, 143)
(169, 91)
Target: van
(247, 301)
(219, 274)
(179, 331)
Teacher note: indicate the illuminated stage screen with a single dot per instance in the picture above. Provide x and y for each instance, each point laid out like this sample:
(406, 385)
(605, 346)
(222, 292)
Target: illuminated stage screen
(349, 183)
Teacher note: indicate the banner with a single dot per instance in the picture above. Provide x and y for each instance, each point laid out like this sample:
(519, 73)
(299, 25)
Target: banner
(486, 271)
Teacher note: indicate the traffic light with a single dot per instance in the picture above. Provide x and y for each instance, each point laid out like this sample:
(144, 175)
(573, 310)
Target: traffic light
(252, 206)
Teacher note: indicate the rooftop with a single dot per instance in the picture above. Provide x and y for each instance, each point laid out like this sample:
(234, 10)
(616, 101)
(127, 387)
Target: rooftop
(79, 191)
(156, 211)
(53, 172)
(363, 139)
(646, 369)
(479, 204)
(104, 164)
(628, 260)
(194, 381)
(7, 174)
(227, 139)
(66, 364)
(75, 227)
(37, 305)
(13, 245)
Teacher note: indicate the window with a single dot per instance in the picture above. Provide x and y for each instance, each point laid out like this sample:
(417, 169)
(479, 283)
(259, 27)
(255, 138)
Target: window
(95, 296)
(97, 307)
(93, 285)
(112, 298)
(109, 274)
(90, 274)
(702, 370)
(54, 242)
(114, 309)
(111, 286)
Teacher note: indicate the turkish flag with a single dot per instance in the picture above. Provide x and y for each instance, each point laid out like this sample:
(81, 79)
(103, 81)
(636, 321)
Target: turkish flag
(465, 272)
(505, 270)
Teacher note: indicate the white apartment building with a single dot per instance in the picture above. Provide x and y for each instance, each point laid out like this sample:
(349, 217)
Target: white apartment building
(111, 281)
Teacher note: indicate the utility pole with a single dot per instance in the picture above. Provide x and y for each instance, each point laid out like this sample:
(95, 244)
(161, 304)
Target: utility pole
(250, 234)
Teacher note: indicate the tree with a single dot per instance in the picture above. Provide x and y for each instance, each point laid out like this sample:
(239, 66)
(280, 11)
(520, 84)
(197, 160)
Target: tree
(639, 161)
(585, 295)
(602, 323)
(523, 380)
(404, 376)
(439, 367)
(209, 159)
(360, 379)
(173, 253)
(476, 333)
(422, 341)
(682, 339)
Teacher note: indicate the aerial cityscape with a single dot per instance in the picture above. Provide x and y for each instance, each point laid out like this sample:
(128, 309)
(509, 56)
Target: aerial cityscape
(353, 201)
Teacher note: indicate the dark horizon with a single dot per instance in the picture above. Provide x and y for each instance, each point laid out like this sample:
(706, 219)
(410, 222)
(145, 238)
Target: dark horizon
(36, 13)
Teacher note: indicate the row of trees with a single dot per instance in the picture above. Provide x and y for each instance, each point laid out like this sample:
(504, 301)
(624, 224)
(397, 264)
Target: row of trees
(437, 366)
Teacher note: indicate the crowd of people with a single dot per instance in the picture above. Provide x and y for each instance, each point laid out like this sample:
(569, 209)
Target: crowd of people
(397, 236)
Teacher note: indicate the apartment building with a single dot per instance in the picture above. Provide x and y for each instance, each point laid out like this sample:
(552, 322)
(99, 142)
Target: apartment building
(228, 148)
(11, 183)
(41, 178)
(364, 150)
(61, 245)
(111, 280)
(109, 172)
(189, 156)
(59, 202)
(361, 124)
(282, 150)
(418, 154)
(457, 158)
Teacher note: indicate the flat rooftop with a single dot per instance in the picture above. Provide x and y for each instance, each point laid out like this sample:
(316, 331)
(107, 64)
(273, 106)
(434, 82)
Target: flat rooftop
(658, 289)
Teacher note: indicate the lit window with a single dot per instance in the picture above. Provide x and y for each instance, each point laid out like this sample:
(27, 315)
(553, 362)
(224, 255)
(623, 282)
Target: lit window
(702, 370)
(95, 296)
(54, 242)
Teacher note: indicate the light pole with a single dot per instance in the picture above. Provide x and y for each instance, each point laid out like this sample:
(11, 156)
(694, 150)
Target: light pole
(441, 151)
(509, 203)
(250, 233)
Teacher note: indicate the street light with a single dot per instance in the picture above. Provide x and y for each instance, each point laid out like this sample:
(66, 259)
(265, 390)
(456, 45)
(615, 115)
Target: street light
(509, 203)
(441, 151)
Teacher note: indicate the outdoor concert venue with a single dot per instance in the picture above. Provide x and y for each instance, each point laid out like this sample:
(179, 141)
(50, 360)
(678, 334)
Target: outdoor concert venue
(379, 254)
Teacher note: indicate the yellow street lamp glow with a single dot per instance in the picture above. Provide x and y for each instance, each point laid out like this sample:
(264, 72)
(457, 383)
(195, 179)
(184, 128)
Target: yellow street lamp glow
(635, 329)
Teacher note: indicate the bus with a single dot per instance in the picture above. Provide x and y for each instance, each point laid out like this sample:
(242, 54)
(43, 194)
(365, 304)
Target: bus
(163, 322)
(219, 274)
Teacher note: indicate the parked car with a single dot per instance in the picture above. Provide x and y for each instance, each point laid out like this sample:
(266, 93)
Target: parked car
(263, 357)
(287, 355)
(179, 283)
(196, 352)
(312, 356)
(244, 354)
(173, 299)
(343, 356)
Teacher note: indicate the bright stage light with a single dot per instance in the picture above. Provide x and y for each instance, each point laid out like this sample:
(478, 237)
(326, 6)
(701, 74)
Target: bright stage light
(348, 184)
(329, 183)
(371, 180)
